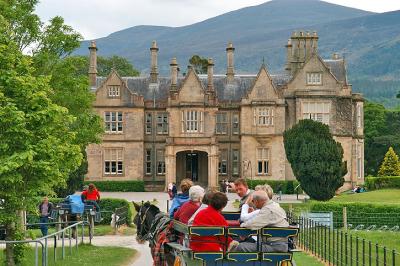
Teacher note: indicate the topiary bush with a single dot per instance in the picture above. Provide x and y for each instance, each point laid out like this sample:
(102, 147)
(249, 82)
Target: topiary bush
(381, 182)
(118, 186)
(316, 158)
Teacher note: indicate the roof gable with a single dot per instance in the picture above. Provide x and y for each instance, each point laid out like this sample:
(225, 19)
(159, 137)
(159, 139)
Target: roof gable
(263, 88)
(192, 89)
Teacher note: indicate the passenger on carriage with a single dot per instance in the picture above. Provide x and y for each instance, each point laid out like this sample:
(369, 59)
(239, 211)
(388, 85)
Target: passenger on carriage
(180, 198)
(271, 215)
(248, 209)
(211, 216)
(186, 211)
(242, 190)
(91, 196)
(204, 204)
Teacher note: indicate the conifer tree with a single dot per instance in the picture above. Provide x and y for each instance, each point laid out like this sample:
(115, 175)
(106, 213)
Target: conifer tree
(390, 165)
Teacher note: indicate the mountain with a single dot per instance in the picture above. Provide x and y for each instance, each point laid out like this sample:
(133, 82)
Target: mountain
(369, 41)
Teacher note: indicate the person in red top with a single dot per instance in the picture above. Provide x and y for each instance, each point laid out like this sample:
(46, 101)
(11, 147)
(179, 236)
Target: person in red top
(186, 211)
(91, 196)
(211, 216)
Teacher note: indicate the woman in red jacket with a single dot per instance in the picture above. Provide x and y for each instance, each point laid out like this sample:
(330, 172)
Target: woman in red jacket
(91, 196)
(211, 216)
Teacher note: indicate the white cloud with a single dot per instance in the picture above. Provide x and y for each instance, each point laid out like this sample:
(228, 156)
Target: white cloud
(98, 18)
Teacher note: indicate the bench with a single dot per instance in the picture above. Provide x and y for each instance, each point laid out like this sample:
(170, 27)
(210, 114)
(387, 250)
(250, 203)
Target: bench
(258, 258)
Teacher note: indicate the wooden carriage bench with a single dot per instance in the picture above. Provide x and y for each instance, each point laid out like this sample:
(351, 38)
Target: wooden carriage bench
(189, 257)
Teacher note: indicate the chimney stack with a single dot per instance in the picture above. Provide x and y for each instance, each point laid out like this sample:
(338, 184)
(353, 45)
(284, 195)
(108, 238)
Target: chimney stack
(210, 74)
(304, 45)
(92, 64)
(230, 72)
(289, 55)
(154, 70)
(174, 74)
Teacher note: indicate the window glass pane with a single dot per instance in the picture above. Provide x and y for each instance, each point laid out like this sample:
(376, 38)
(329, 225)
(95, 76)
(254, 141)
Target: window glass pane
(260, 167)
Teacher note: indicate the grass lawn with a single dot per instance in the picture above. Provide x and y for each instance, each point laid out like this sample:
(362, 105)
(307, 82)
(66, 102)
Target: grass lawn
(386, 196)
(301, 258)
(86, 255)
(391, 240)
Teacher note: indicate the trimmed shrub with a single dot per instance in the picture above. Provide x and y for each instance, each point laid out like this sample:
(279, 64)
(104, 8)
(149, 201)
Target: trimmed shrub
(382, 182)
(360, 213)
(118, 186)
(287, 187)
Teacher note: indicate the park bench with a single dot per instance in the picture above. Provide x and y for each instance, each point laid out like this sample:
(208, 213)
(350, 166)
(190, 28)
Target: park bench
(220, 258)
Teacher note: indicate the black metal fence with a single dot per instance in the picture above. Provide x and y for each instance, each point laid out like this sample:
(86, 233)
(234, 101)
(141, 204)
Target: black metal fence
(339, 247)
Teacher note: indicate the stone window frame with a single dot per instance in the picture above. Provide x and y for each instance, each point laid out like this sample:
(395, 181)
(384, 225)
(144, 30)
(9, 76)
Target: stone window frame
(311, 110)
(114, 91)
(359, 160)
(264, 116)
(263, 155)
(192, 121)
(221, 123)
(148, 161)
(235, 162)
(160, 154)
(235, 123)
(113, 122)
(148, 125)
(162, 123)
(359, 114)
(113, 158)
(314, 78)
(223, 162)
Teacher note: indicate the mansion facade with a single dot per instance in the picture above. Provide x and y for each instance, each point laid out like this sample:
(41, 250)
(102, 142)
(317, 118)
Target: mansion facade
(212, 127)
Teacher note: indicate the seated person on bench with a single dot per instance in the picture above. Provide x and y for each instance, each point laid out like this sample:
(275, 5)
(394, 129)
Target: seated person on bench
(211, 216)
(91, 196)
(270, 215)
(186, 211)
(248, 211)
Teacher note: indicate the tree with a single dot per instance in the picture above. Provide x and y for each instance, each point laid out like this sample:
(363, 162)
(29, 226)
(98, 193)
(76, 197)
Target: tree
(199, 64)
(382, 130)
(120, 64)
(390, 165)
(315, 158)
(37, 149)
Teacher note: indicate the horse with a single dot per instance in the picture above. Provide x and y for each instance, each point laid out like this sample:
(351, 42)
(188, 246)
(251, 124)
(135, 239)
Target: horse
(154, 226)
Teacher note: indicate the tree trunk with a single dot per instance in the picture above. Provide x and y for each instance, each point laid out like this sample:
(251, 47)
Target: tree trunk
(10, 235)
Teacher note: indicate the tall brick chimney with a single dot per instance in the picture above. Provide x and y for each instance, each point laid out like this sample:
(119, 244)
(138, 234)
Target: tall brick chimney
(92, 64)
(230, 71)
(154, 69)
(210, 74)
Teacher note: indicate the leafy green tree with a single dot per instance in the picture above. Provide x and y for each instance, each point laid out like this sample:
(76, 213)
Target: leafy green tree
(315, 158)
(382, 130)
(37, 149)
(199, 64)
(120, 64)
(390, 165)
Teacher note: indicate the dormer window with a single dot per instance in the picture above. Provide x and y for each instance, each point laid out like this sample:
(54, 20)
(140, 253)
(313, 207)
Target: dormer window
(314, 78)
(114, 91)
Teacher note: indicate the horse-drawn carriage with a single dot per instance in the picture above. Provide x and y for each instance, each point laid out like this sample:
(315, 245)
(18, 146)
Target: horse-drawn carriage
(180, 253)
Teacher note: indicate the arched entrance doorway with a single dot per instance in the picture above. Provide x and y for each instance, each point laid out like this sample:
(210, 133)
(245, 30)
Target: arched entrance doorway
(192, 165)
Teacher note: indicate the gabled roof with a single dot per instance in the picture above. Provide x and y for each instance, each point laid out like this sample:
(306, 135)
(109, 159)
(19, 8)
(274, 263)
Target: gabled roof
(338, 68)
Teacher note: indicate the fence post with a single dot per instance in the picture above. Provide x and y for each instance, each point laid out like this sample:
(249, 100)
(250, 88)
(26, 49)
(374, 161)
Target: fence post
(345, 218)
(115, 221)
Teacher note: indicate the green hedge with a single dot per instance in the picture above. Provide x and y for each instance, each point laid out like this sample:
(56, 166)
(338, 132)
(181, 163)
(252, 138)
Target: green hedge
(360, 213)
(382, 182)
(107, 207)
(118, 186)
(287, 187)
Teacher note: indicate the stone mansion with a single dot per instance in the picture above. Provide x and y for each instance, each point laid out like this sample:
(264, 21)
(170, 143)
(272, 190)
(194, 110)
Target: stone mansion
(212, 127)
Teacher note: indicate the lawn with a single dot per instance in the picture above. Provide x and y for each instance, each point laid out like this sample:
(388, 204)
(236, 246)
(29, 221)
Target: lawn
(301, 258)
(86, 255)
(386, 196)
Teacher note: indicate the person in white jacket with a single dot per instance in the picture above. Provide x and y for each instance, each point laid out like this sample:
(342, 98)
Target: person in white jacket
(270, 214)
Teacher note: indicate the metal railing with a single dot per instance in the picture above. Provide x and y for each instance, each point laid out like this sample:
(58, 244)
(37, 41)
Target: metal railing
(71, 232)
(119, 217)
(340, 247)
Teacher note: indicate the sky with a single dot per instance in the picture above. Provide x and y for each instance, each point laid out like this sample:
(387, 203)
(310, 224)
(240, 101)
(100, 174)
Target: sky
(98, 18)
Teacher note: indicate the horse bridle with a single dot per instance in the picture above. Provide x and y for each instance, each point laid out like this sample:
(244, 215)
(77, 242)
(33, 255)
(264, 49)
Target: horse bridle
(142, 221)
